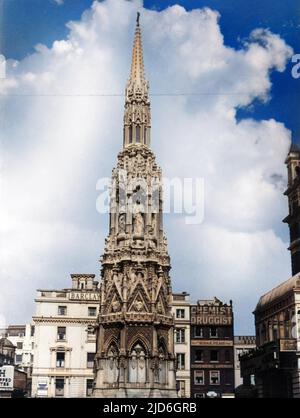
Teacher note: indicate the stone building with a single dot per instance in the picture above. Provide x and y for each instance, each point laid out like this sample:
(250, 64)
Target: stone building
(276, 361)
(7, 351)
(212, 357)
(64, 339)
(182, 343)
(293, 194)
(13, 382)
(22, 337)
(135, 335)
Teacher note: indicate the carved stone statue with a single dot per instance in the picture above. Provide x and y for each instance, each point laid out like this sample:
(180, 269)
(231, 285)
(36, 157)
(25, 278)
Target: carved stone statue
(122, 222)
(116, 306)
(138, 226)
(138, 305)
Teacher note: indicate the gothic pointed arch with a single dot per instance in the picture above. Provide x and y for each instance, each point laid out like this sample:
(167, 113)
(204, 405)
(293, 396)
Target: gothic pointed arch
(139, 339)
(111, 345)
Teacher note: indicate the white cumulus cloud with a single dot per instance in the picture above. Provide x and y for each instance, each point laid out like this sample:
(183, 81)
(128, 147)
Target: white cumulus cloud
(62, 132)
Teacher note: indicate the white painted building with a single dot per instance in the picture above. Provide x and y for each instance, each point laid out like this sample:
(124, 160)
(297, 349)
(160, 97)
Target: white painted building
(242, 345)
(22, 337)
(64, 342)
(182, 342)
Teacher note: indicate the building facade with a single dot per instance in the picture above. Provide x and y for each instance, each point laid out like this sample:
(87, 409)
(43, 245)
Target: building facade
(242, 345)
(293, 194)
(13, 382)
(135, 334)
(182, 343)
(212, 356)
(64, 339)
(22, 338)
(276, 361)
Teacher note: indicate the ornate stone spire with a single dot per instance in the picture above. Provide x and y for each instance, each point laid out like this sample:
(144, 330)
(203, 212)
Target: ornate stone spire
(135, 331)
(137, 117)
(137, 73)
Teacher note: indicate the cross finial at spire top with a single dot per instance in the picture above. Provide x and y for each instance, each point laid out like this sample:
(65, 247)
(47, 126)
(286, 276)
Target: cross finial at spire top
(138, 18)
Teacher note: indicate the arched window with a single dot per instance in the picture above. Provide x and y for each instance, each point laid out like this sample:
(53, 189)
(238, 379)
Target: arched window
(138, 133)
(145, 136)
(137, 365)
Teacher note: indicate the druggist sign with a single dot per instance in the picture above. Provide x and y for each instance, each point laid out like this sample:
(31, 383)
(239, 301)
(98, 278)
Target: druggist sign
(6, 378)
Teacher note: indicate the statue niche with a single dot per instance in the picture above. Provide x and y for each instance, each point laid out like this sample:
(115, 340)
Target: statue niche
(137, 365)
(162, 365)
(112, 371)
(122, 223)
(138, 224)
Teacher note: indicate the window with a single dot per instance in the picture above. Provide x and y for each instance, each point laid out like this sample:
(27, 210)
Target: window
(60, 359)
(61, 333)
(198, 332)
(89, 387)
(228, 377)
(180, 313)
(21, 334)
(145, 136)
(275, 333)
(62, 310)
(19, 358)
(199, 355)
(227, 356)
(92, 311)
(180, 335)
(82, 286)
(214, 355)
(213, 332)
(214, 377)
(130, 134)
(90, 360)
(31, 358)
(199, 377)
(32, 329)
(59, 386)
(19, 345)
(32, 346)
(180, 357)
(138, 133)
(180, 384)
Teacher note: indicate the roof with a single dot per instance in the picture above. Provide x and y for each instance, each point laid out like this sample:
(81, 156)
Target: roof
(5, 342)
(278, 292)
(294, 147)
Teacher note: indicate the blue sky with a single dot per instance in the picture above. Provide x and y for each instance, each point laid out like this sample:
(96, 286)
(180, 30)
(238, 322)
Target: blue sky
(60, 146)
(28, 22)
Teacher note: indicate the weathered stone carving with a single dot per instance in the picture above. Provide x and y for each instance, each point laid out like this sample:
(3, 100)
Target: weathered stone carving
(138, 224)
(135, 288)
